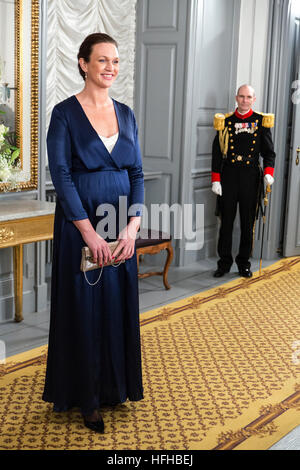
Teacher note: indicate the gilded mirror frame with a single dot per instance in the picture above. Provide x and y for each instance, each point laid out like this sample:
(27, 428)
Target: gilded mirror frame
(29, 156)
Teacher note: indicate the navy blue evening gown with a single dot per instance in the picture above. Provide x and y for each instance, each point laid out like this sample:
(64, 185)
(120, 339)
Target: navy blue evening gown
(94, 355)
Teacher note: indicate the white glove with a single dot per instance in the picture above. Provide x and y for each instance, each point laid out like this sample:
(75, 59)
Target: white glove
(269, 179)
(217, 188)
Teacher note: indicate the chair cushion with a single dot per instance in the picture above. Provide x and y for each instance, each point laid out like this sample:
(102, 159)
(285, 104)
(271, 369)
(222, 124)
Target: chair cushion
(148, 237)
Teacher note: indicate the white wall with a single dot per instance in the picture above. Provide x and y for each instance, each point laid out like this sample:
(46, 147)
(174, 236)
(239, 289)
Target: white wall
(253, 35)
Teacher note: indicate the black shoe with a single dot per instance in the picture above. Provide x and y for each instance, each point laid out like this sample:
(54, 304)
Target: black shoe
(220, 272)
(97, 426)
(245, 272)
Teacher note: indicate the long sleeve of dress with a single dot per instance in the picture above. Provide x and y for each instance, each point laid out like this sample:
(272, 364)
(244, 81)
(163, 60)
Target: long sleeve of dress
(136, 177)
(59, 156)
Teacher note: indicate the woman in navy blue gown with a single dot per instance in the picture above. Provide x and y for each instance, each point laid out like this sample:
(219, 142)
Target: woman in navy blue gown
(94, 355)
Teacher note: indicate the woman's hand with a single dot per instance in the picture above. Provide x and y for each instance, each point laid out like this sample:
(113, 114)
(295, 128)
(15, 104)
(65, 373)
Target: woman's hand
(98, 246)
(126, 238)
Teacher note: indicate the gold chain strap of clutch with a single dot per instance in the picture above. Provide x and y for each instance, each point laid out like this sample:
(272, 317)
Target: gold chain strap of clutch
(87, 263)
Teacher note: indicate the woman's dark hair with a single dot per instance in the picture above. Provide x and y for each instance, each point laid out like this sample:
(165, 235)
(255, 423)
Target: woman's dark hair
(86, 47)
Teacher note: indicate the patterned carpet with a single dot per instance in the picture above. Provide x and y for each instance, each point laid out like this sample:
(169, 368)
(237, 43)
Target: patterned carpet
(221, 370)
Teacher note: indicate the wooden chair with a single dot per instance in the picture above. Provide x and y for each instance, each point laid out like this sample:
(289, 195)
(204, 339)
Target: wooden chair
(152, 242)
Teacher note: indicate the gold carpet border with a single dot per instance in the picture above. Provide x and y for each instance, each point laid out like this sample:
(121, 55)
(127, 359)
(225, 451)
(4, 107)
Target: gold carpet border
(261, 430)
(279, 418)
(216, 293)
(258, 434)
(36, 357)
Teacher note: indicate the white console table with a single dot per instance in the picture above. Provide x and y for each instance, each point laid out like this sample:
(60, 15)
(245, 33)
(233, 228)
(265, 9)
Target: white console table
(23, 221)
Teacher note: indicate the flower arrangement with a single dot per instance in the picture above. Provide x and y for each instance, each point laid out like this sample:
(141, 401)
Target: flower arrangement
(10, 165)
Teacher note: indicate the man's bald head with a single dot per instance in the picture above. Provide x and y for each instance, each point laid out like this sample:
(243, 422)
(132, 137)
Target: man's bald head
(248, 88)
(245, 98)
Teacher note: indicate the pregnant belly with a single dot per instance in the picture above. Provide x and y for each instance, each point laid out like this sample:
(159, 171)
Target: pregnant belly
(103, 188)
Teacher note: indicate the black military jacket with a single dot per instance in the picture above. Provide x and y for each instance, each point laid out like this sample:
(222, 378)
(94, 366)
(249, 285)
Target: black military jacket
(245, 140)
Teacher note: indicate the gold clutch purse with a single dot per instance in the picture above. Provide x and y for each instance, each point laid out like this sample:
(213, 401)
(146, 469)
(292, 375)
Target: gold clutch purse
(87, 263)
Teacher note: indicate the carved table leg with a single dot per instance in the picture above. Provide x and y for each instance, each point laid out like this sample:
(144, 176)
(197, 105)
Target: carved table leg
(18, 282)
(166, 268)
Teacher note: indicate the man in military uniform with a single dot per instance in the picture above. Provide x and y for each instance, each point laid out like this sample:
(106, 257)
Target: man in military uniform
(242, 136)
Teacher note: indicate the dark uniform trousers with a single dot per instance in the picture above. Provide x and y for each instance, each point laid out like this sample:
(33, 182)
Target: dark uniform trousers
(239, 189)
(239, 174)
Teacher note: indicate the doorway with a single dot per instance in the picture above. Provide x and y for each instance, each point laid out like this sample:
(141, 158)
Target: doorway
(282, 237)
(290, 227)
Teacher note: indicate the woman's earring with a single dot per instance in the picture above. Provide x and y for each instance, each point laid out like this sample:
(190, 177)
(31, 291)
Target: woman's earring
(85, 75)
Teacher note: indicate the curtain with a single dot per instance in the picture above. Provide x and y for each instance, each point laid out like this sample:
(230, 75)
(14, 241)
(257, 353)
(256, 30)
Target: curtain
(69, 23)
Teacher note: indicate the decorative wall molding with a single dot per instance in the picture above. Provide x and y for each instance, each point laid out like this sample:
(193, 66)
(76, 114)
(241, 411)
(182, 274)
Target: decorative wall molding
(161, 15)
(159, 106)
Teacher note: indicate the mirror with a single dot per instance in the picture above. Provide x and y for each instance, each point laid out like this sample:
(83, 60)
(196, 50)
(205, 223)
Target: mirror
(19, 41)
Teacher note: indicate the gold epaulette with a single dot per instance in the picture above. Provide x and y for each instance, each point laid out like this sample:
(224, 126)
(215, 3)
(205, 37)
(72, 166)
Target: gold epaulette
(229, 114)
(268, 119)
(219, 122)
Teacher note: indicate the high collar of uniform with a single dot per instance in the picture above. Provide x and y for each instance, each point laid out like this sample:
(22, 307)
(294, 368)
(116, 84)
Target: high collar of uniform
(243, 116)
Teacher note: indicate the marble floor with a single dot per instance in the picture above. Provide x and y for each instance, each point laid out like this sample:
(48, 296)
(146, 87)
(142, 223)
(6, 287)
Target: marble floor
(185, 281)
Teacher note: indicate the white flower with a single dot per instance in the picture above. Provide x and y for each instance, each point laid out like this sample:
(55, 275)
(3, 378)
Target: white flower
(3, 162)
(5, 170)
(4, 175)
(3, 130)
(10, 167)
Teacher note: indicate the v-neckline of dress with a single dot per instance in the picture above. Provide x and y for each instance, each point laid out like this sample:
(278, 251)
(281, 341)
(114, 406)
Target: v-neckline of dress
(93, 129)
